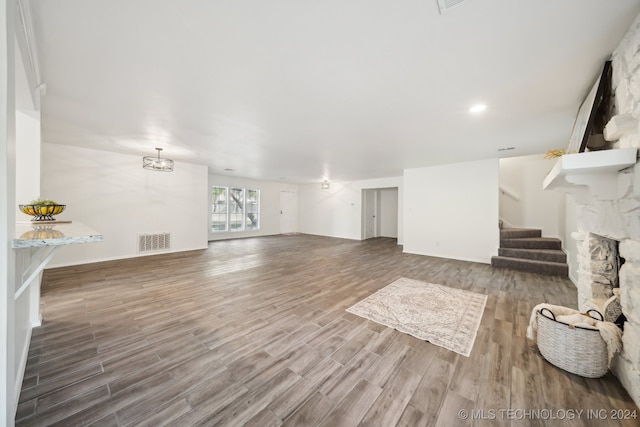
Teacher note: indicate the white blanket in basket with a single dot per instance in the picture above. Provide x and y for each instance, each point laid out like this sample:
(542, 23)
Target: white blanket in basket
(609, 332)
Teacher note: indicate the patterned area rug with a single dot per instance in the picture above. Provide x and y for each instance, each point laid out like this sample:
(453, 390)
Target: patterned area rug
(444, 316)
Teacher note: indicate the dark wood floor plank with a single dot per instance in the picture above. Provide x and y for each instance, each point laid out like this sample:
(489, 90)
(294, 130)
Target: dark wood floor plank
(340, 384)
(391, 403)
(165, 416)
(255, 401)
(389, 363)
(455, 411)
(109, 421)
(207, 409)
(433, 387)
(354, 406)
(493, 397)
(30, 391)
(419, 357)
(287, 402)
(525, 394)
(311, 413)
(264, 418)
(255, 331)
(411, 417)
(61, 413)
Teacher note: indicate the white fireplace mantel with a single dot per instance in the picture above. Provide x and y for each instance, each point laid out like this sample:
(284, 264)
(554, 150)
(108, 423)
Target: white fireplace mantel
(590, 175)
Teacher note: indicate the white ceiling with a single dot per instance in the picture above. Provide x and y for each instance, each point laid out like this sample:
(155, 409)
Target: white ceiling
(301, 90)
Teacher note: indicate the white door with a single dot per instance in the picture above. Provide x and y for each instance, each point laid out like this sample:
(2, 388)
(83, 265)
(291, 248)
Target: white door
(369, 213)
(288, 212)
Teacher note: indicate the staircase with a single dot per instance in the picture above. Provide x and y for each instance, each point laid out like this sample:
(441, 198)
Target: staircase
(525, 249)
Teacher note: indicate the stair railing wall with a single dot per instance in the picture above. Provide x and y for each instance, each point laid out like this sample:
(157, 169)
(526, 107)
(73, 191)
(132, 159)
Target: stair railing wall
(511, 208)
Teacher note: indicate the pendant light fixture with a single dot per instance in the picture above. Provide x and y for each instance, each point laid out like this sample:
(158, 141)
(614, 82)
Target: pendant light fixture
(159, 164)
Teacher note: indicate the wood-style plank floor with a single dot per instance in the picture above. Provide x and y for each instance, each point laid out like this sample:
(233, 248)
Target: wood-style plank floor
(254, 332)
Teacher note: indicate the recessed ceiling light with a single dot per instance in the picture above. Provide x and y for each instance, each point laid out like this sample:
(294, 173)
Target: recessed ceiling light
(478, 108)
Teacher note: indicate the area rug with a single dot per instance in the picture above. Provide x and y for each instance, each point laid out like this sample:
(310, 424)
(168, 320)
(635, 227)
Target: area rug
(444, 316)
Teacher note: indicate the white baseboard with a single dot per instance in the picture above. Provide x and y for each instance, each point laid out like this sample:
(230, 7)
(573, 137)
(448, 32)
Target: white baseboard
(573, 279)
(20, 375)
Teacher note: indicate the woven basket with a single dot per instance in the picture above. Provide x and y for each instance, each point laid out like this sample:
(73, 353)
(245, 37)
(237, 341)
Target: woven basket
(580, 351)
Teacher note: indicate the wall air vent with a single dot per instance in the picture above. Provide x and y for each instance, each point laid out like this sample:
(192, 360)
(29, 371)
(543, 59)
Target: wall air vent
(154, 242)
(447, 4)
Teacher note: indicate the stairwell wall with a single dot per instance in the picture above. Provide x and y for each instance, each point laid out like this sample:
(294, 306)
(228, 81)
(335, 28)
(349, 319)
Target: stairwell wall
(451, 211)
(535, 208)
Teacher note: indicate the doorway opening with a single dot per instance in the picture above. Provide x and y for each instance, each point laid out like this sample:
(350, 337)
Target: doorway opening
(379, 212)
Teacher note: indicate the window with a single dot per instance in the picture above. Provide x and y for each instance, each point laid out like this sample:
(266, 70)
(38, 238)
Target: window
(219, 212)
(252, 205)
(235, 209)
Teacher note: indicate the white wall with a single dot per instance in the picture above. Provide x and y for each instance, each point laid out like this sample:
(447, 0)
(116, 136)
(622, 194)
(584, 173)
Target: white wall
(7, 214)
(337, 212)
(451, 211)
(389, 212)
(269, 205)
(20, 164)
(27, 157)
(7, 259)
(537, 208)
(111, 193)
(511, 193)
(27, 184)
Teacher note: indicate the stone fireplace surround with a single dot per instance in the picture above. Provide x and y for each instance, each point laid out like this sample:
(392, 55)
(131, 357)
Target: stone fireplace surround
(606, 188)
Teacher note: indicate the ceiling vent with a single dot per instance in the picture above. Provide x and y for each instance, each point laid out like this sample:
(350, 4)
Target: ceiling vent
(447, 4)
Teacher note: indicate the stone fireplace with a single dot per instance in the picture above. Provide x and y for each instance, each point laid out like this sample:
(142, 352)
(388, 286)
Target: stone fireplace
(598, 271)
(608, 257)
(606, 188)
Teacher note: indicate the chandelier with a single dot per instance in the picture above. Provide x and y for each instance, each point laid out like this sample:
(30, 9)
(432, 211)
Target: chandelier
(159, 164)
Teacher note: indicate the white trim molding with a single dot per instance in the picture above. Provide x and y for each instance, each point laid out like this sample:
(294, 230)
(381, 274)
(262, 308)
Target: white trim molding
(26, 37)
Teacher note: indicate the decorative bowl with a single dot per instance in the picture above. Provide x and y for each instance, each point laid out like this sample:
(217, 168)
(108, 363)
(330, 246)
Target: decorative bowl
(42, 212)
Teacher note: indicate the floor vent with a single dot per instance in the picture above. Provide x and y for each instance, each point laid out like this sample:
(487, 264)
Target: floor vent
(154, 242)
(447, 4)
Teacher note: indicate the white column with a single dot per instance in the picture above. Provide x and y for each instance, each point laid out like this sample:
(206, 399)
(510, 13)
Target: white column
(8, 396)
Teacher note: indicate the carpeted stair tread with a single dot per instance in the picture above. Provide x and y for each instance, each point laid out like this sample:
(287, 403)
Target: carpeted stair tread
(532, 243)
(552, 255)
(514, 233)
(525, 249)
(532, 266)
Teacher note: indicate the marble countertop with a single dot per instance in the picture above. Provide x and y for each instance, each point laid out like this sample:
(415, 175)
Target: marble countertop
(31, 235)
